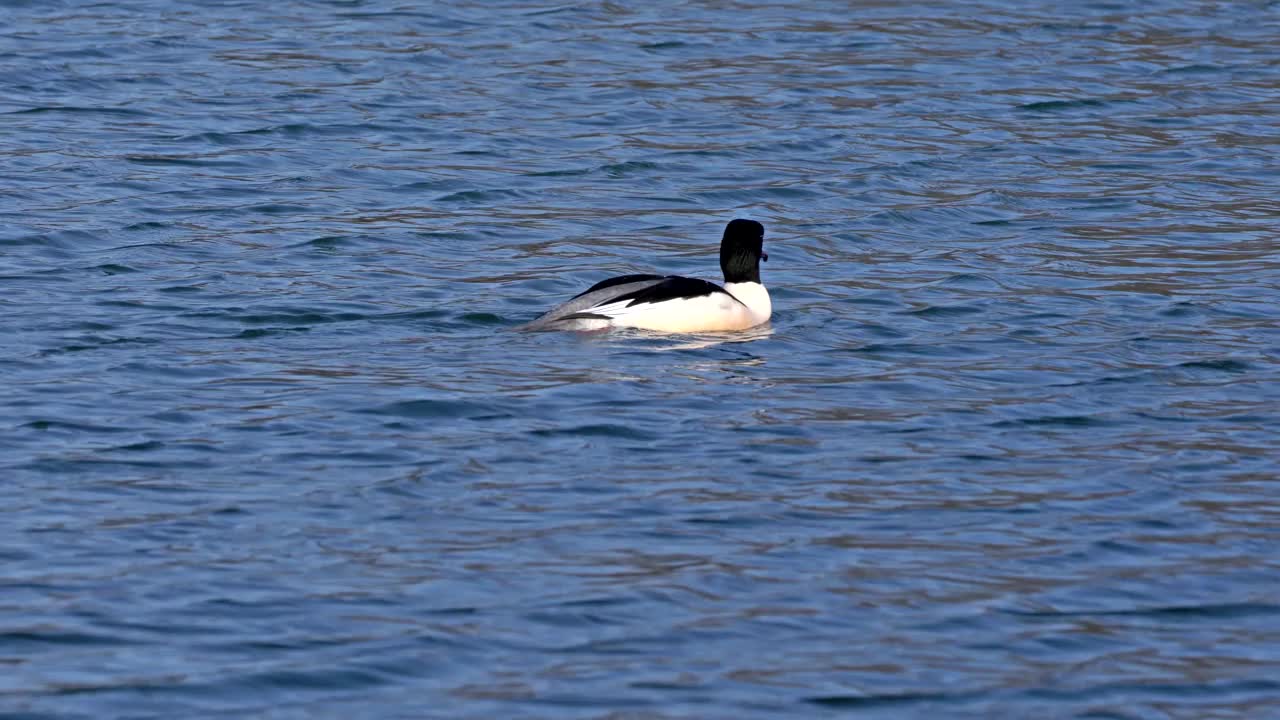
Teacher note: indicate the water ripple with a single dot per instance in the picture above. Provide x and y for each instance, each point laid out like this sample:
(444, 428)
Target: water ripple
(1006, 448)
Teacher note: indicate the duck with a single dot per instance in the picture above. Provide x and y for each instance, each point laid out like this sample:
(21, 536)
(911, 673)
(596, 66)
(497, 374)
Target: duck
(675, 304)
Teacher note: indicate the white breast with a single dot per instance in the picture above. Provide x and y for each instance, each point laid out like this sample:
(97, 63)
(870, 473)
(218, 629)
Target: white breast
(755, 297)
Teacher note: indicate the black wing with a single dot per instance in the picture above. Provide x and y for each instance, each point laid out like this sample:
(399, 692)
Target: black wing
(620, 280)
(672, 288)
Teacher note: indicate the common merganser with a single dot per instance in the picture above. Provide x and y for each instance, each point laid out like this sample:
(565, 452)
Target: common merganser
(670, 303)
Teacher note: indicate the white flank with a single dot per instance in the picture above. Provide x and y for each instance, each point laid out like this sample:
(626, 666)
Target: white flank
(716, 312)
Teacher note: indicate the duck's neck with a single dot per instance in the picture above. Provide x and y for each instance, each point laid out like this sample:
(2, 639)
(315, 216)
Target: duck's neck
(754, 296)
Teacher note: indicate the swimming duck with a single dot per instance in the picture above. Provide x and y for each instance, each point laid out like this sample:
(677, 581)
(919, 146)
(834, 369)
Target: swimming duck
(674, 304)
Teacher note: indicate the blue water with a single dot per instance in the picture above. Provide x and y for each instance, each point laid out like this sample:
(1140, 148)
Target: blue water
(269, 447)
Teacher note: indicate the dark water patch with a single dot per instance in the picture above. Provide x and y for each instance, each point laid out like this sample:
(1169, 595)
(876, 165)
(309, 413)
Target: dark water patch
(1224, 365)
(302, 130)
(224, 139)
(63, 240)
(434, 186)
(1108, 380)
(937, 312)
(77, 110)
(599, 430)
(1182, 310)
(890, 348)
(34, 639)
(47, 276)
(461, 234)
(410, 315)
(76, 427)
(480, 196)
(440, 408)
(89, 343)
(627, 169)
(43, 716)
(1197, 692)
(193, 161)
(327, 243)
(1065, 421)
(873, 300)
(972, 280)
(666, 45)
(886, 701)
(289, 316)
(98, 466)
(267, 332)
(1195, 69)
(474, 318)
(1188, 613)
(567, 172)
(277, 209)
(145, 446)
(420, 19)
(1055, 106)
(663, 199)
(113, 269)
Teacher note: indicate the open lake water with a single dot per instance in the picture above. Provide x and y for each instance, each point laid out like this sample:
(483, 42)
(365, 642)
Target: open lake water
(270, 447)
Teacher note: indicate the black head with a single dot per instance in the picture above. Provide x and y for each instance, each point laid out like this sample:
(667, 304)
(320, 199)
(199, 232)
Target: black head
(741, 251)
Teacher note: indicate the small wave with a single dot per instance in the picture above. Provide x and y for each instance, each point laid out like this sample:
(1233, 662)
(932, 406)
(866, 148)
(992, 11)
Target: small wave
(433, 408)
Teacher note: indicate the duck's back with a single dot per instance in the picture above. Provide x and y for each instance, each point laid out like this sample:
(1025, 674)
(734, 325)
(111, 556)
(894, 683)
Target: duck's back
(569, 315)
(651, 302)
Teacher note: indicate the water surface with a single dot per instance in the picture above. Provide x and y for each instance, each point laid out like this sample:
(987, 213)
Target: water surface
(270, 449)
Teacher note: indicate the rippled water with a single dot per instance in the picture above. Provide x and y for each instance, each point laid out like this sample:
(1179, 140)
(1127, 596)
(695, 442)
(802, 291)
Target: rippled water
(1008, 448)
